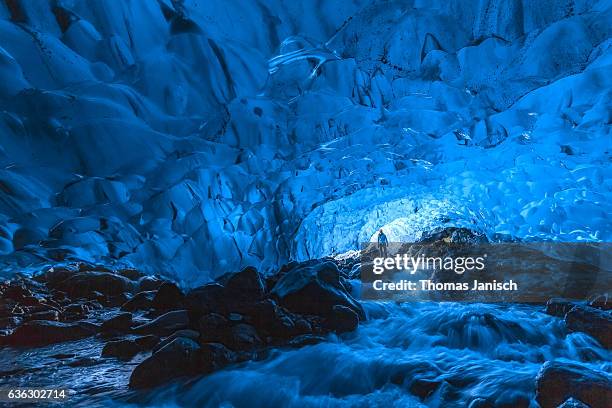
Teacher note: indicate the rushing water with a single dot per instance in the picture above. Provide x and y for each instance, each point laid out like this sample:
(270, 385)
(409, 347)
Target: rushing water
(473, 351)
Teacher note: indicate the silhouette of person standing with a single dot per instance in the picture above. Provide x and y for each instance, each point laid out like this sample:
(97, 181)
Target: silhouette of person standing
(383, 243)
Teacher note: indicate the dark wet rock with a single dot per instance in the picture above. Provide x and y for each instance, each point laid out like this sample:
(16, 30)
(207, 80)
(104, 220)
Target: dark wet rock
(557, 382)
(573, 403)
(119, 323)
(147, 283)
(453, 234)
(342, 319)
(186, 333)
(207, 298)
(147, 342)
(116, 301)
(306, 340)
(168, 297)
(244, 284)
(75, 311)
(84, 362)
(40, 333)
(214, 328)
(314, 290)
(214, 356)
(63, 356)
(176, 359)
(166, 324)
(53, 276)
(244, 337)
(423, 388)
(51, 315)
(140, 301)
(86, 284)
(122, 349)
(10, 322)
(131, 274)
(594, 322)
(276, 322)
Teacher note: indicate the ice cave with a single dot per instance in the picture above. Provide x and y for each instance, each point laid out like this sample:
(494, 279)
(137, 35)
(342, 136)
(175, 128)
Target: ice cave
(189, 140)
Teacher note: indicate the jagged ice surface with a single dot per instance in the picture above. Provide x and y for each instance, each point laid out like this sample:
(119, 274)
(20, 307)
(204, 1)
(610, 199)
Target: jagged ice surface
(193, 138)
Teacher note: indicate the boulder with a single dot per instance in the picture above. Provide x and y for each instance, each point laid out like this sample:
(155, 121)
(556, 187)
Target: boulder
(176, 359)
(131, 274)
(38, 333)
(594, 322)
(244, 284)
(140, 301)
(557, 382)
(168, 297)
(186, 333)
(314, 289)
(147, 283)
(166, 324)
(244, 337)
(119, 323)
(46, 315)
(121, 349)
(85, 284)
(147, 342)
(342, 319)
(208, 298)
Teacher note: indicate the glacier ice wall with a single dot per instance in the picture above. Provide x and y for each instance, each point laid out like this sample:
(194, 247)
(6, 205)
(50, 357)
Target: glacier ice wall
(192, 138)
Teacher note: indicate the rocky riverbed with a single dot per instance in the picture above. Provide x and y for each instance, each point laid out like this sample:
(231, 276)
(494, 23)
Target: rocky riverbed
(113, 335)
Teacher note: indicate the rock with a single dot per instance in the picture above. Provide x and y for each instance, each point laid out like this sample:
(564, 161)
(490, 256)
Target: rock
(573, 403)
(214, 356)
(274, 321)
(51, 315)
(556, 382)
(342, 319)
(10, 322)
(314, 289)
(119, 323)
(131, 274)
(147, 342)
(186, 333)
(140, 301)
(207, 298)
(41, 333)
(559, 307)
(594, 322)
(85, 284)
(53, 276)
(168, 297)
(166, 324)
(84, 362)
(306, 340)
(75, 311)
(245, 284)
(121, 349)
(423, 388)
(176, 359)
(214, 328)
(147, 283)
(244, 337)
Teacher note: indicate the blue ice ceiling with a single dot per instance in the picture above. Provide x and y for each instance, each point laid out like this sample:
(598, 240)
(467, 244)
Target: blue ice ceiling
(191, 137)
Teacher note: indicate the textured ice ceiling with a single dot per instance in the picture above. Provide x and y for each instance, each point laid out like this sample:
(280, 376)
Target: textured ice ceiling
(192, 138)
